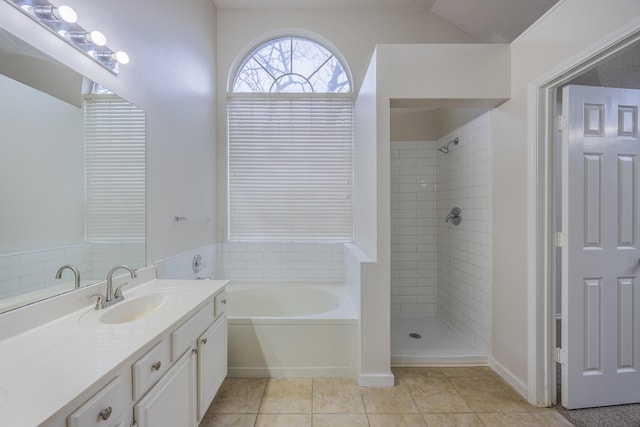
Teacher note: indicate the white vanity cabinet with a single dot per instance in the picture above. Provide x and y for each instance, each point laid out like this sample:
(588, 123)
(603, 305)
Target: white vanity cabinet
(172, 401)
(182, 396)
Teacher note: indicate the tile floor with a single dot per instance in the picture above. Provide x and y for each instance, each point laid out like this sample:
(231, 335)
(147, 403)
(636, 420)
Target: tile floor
(460, 397)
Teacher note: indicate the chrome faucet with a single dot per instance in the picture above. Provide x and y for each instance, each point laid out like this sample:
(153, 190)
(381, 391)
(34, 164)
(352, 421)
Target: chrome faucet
(76, 274)
(110, 296)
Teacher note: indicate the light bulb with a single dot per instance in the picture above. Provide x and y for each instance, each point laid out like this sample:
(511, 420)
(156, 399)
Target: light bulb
(66, 14)
(121, 57)
(97, 38)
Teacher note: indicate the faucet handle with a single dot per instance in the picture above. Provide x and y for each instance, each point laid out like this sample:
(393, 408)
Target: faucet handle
(100, 303)
(118, 293)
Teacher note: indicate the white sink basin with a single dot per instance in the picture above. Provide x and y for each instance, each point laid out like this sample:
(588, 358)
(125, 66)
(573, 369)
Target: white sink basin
(133, 309)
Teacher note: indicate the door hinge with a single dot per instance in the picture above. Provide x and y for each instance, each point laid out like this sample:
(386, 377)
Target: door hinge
(560, 240)
(561, 122)
(560, 356)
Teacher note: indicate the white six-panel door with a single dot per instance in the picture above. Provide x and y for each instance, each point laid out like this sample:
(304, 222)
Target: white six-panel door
(601, 269)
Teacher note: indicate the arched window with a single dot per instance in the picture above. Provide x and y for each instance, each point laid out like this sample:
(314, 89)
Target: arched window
(290, 166)
(293, 65)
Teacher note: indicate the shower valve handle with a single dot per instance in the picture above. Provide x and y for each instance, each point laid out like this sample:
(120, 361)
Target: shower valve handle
(455, 216)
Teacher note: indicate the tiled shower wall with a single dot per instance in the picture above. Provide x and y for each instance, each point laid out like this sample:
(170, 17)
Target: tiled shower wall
(464, 251)
(437, 267)
(413, 228)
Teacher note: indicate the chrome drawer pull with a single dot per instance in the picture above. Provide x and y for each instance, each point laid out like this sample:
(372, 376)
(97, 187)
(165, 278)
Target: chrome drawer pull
(105, 413)
(156, 366)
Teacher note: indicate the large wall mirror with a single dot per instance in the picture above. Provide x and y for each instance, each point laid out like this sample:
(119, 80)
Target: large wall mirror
(72, 178)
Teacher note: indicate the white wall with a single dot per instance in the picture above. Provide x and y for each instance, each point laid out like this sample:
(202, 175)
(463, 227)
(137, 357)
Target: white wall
(172, 77)
(571, 27)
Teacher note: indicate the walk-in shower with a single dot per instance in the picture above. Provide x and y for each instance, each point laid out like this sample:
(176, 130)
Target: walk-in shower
(445, 148)
(440, 272)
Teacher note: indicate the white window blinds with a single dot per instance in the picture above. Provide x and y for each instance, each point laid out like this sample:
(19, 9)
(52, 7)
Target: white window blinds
(290, 168)
(114, 170)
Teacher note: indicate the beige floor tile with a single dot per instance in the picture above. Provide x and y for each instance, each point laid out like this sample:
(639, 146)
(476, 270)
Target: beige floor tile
(228, 420)
(388, 400)
(453, 420)
(283, 420)
(396, 420)
(468, 371)
(509, 420)
(287, 396)
(337, 396)
(239, 396)
(435, 395)
(340, 420)
(494, 403)
(443, 402)
(467, 386)
(417, 372)
(486, 394)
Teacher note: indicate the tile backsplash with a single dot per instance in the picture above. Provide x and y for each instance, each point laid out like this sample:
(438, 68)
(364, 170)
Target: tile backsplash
(30, 271)
(261, 262)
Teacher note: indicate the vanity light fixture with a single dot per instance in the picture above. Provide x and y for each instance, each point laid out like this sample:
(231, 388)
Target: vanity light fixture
(62, 21)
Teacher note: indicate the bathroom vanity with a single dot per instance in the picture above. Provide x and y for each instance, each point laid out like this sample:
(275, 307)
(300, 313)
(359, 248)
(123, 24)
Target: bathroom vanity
(155, 359)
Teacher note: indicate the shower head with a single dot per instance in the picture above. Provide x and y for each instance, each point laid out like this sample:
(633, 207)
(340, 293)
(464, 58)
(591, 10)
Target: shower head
(445, 148)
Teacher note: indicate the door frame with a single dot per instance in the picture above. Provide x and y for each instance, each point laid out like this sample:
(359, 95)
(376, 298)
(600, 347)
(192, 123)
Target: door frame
(541, 205)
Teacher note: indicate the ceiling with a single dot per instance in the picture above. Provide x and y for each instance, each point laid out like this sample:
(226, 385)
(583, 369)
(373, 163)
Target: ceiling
(490, 21)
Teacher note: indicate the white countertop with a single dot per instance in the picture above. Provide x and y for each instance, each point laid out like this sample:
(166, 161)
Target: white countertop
(45, 368)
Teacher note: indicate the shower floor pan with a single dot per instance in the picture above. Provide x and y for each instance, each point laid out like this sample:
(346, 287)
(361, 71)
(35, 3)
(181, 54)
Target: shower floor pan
(429, 341)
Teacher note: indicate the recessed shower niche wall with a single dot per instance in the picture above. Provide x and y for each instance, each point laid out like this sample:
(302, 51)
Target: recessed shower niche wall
(440, 272)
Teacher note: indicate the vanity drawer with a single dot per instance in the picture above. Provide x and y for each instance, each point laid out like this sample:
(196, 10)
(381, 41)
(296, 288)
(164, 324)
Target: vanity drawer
(104, 409)
(190, 330)
(220, 301)
(150, 367)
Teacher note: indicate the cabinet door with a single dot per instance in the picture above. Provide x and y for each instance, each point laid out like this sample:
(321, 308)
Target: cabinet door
(171, 402)
(212, 363)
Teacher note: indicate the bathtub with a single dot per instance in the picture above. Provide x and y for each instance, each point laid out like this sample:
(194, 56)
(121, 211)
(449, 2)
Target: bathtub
(281, 329)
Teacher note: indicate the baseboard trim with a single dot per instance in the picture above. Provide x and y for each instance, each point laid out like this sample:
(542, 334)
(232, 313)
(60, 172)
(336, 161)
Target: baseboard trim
(439, 360)
(519, 385)
(376, 380)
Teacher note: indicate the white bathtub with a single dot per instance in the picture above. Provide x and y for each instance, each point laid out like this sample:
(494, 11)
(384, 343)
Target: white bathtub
(281, 329)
